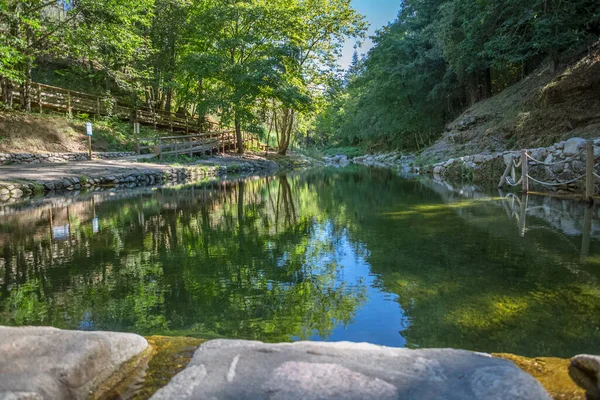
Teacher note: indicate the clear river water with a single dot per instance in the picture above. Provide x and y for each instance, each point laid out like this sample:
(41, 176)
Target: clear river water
(351, 254)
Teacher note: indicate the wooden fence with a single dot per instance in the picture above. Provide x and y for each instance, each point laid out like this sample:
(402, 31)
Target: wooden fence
(526, 160)
(45, 97)
(52, 98)
(205, 143)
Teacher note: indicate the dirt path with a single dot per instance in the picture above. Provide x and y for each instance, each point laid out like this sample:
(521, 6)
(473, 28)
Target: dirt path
(50, 172)
(91, 169)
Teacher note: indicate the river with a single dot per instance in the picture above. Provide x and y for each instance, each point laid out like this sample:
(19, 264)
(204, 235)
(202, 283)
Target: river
(352, 254)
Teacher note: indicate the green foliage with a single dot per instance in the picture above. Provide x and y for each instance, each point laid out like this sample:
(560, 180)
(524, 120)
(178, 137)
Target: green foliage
(440, 56)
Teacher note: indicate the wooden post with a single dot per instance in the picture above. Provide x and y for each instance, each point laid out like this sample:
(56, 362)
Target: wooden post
(187, 130)
(69, 103)
(587, 229)
(171, 121)
(159, 148)
(504, 175)
(589, 170)
(191, 144)
(523, 217)
(138, 146)
(39, 87)
(525, 171)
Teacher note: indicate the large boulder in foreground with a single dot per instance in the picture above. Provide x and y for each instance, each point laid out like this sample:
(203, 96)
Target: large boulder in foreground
(235, 369)
(585, 371)
(48, 363)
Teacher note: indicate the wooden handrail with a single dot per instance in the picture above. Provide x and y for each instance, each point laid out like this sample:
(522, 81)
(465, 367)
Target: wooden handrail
(65, 100)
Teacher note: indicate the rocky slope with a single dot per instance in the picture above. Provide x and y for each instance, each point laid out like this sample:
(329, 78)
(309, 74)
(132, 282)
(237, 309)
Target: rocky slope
(544, 108)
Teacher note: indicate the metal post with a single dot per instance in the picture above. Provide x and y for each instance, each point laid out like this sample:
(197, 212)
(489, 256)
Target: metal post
(90, 147)
(589, 170)
(525, 170)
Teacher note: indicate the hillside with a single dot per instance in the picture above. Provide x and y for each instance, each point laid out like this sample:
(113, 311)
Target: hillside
(542, 109)
(42, 133)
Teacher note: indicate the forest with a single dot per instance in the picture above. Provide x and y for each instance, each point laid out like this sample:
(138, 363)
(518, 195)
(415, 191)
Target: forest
(271, 66)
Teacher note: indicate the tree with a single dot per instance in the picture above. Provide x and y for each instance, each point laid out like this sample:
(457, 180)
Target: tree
(238, 52)
(319, 29)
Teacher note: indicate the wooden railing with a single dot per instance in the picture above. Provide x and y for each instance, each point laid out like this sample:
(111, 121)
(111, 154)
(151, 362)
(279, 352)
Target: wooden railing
(196, 144)
(45, 97)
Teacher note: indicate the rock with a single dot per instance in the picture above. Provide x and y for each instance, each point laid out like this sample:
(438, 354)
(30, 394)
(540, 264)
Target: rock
(465, 123)
(54, 364)
(16, 193)
(573, 146)
(236, 369)
(585, 371)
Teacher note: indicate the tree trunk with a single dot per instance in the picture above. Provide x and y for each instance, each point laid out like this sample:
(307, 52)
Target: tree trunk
(487, 83)
(168, 100)
(27, 87)
(238, 134)
(472, 89)
(8, 92)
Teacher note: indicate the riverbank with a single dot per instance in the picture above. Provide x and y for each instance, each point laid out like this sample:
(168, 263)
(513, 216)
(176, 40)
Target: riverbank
(159, 367)
(27, 180)
(560, 166)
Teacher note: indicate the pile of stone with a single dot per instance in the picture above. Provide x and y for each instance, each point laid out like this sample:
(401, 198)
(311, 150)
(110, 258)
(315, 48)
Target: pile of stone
(561, 162)
(337, 160)
(405, 163)
(44, 158)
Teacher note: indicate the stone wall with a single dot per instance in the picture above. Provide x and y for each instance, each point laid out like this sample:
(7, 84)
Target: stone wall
(561, 162)
(43, 158)
(12, 191)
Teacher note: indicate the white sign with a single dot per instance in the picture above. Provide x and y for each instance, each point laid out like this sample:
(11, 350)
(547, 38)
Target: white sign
(88, 128)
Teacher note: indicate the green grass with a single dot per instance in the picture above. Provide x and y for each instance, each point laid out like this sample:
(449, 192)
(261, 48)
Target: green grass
(312, 152)
(114, 134)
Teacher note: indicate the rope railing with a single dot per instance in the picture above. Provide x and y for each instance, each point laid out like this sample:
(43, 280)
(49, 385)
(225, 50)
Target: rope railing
(562, 183)
(566, 160)
(526, 159)
(513, 183)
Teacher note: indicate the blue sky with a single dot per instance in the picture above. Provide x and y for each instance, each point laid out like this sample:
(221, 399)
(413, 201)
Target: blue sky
(378, 14)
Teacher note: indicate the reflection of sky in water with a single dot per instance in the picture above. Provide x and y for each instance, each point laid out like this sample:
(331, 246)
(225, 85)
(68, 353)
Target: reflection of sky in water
(415, 265)
(380, 319)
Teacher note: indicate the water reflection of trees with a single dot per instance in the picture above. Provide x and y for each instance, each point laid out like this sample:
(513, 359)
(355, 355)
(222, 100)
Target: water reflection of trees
(259, 260)
(228, 258)
(464, 275)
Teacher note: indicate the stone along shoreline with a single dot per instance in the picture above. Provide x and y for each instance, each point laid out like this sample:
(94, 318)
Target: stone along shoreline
(49, 363)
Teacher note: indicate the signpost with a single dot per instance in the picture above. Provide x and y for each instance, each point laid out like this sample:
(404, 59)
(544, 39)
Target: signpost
(89, 132)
